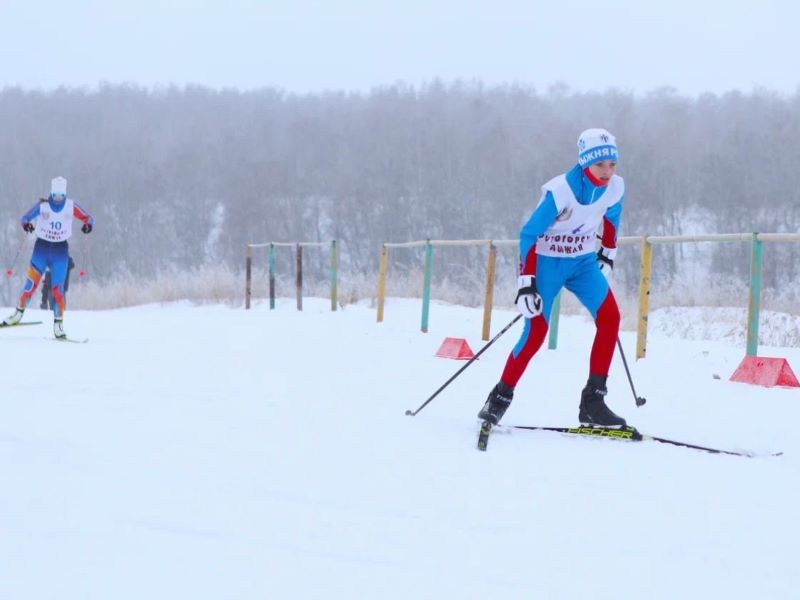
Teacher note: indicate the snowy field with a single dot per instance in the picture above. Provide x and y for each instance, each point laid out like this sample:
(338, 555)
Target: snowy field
(215, 453)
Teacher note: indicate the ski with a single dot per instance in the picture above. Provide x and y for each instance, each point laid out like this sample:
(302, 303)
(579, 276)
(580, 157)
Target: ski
(483, 435)
(661, 440)
(633, 435)
(624, 433)
(71, 340)
(21, 323)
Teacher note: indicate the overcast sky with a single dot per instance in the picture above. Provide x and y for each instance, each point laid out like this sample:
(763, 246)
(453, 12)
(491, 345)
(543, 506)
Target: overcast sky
(694, 46)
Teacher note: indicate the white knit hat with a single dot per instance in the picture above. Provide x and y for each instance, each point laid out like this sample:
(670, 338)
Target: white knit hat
(596, 145)
(58, 187)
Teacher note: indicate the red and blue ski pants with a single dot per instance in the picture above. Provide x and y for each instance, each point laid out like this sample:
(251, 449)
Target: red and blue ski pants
(52, 255)
(582, 276)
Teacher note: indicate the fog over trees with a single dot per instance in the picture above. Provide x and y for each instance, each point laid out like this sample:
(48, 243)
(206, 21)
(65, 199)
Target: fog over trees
(185, 177)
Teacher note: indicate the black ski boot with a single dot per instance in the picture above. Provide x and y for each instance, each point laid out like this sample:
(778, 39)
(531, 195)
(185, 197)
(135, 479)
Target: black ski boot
(497, 403)
(593, 410)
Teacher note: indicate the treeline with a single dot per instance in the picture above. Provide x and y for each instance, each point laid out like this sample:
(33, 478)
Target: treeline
(185, 177)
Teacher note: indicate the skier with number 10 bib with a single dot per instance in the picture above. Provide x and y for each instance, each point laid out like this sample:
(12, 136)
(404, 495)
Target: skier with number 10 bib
(558, 248)
(51, 218)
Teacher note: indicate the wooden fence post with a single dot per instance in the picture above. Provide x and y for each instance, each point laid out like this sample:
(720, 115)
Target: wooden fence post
(271, 276)
(382, 280)
(334, 275)
(248, 277)
(299, 275)
(644, 297)
(488, 299)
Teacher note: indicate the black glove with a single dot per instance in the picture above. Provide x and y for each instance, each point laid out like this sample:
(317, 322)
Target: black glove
(529, 302)
(87, 228)
(28, 227)
(605, 258)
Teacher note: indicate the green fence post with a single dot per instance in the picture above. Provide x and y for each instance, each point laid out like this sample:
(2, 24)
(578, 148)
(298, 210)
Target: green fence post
(271, 276)
(552, 342)
(334, 275)
(755, 297)
(426, 286)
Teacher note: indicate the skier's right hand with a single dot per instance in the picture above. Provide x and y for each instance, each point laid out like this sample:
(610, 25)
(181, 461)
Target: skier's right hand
(529, 302)
(605, 259)
(28, 227)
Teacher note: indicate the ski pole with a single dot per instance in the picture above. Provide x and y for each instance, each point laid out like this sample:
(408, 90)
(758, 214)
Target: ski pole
(85, 261)
(10, 270)
(411, 413)
(639, 400)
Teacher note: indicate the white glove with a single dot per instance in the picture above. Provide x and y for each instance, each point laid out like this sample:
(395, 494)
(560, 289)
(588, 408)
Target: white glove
(529, 302)
(605, 258)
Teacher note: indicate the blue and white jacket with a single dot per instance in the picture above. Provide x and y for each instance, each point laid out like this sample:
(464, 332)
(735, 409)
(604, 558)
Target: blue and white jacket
(568, 217)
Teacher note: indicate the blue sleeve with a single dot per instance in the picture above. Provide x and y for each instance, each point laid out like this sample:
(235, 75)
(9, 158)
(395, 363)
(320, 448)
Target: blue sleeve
(31, 214)
(540, 220)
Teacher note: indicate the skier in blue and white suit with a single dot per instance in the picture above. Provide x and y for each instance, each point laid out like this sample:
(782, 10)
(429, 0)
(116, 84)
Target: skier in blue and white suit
(558, 248)
(51, 218)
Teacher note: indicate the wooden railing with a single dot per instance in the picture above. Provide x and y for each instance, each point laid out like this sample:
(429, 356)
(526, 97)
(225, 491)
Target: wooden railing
(298, 246)
(645, 242)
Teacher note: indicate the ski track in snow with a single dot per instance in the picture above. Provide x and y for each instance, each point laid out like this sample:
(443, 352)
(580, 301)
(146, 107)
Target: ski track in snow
(211, 452)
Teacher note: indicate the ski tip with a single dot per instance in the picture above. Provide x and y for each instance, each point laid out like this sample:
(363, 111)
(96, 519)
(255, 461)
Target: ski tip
(70, 340)
(754, 454)
(409, 413)
(21, 324)
(483, 435)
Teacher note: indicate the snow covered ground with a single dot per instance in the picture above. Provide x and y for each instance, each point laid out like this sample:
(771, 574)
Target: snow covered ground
(210, 452)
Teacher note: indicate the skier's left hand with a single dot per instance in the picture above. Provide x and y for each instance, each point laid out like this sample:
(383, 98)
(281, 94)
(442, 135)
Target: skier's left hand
(605, 258)
(87, 228)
